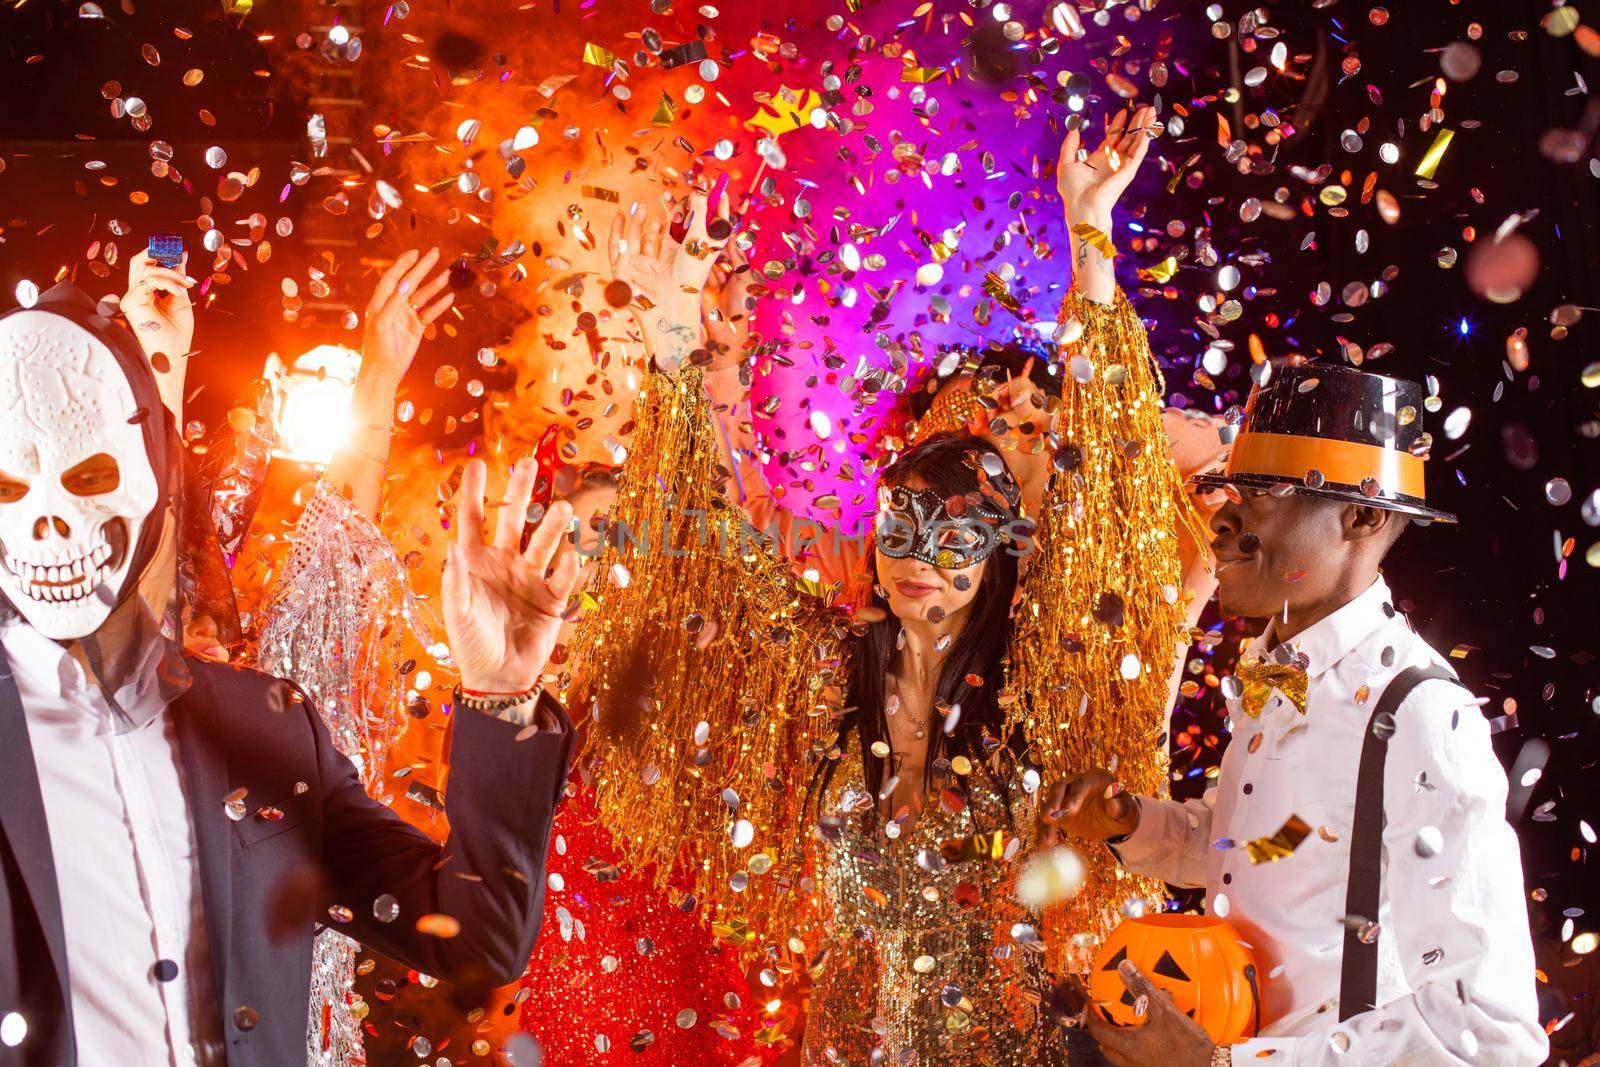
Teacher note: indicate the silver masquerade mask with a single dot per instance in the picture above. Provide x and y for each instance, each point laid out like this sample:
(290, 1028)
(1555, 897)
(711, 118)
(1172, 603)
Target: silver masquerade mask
(921, 524)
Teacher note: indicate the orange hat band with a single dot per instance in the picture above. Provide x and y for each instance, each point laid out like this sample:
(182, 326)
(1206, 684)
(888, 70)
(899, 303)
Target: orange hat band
(1350, 462)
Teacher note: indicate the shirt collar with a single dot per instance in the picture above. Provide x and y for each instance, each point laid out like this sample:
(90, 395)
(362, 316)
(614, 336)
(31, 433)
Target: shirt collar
(48, 667)
(1327, 642)
(41, 662)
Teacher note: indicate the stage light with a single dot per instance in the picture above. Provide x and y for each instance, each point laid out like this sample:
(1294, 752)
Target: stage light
(312, 402)
(1464, 327)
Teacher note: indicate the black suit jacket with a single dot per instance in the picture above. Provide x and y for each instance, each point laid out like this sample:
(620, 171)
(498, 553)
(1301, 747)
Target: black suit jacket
(266, 882)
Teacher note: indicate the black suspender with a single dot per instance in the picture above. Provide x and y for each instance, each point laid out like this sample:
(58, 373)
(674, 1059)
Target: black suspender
(1358, 973)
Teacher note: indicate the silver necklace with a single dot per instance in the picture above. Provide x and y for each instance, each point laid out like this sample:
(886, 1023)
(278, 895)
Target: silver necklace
(892, 706)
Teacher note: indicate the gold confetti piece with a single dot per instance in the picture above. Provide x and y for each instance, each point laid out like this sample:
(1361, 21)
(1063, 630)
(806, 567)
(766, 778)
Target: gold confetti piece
(771, 1035)
(1279, 845)
(997, 288)
(1160, 273)
(735, 931)
(1096, 238)
(600, 192)
(909, 73)
(666, 111)
(814, 588)
(598, 56)
(785, 111)
(984, 846)
(551, 85)
(1430, 159)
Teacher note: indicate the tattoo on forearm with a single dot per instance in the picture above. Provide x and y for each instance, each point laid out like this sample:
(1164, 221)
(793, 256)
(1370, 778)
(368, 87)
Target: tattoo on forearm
(1088, 255)
(677, 339)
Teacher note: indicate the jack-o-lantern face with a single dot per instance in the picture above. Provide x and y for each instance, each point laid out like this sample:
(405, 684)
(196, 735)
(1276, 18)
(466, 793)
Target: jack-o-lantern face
(1199, 960)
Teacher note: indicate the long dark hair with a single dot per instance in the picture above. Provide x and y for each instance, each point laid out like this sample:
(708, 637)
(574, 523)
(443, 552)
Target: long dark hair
(946, 463)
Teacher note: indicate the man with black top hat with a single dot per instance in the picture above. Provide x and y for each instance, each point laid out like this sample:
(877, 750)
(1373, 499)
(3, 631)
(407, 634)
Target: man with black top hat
(1390, 928)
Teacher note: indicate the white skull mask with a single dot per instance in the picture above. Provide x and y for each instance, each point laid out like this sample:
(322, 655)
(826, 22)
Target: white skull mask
(76, 482)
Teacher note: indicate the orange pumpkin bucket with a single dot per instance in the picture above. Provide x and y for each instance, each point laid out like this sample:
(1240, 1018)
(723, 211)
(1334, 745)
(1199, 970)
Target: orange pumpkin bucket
(1200, 960)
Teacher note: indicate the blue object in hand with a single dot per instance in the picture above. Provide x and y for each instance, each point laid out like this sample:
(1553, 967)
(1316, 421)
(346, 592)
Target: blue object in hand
(167, 250)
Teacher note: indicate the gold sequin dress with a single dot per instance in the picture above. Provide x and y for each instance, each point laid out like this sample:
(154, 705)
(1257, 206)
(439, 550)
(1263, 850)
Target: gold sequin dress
(928, 958)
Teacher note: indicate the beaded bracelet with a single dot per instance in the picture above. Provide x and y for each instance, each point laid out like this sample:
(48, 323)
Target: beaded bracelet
(494, 703)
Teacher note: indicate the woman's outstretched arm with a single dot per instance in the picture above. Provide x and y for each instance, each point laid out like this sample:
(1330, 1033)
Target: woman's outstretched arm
(405, 302)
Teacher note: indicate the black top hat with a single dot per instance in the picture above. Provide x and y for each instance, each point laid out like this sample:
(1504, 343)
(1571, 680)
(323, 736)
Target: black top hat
(1336, 432)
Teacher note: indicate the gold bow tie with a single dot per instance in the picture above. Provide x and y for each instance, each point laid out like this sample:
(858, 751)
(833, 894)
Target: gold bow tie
(1259, 678)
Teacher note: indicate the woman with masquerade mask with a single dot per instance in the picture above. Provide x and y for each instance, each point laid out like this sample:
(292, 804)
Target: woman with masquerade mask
(921, 802)
(872, 776)
(342, 587)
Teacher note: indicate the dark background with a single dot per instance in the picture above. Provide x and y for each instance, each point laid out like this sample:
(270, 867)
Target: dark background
(1493, 588)
(54, 122)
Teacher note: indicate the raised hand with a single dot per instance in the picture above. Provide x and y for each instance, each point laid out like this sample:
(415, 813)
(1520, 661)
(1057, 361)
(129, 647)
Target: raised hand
(640, 253)
(669, 274)
(1021, 400)
(502, 606)
(1091, 183)
(160, 310)
(1022, 404)
(404, 304)
(1093, 806)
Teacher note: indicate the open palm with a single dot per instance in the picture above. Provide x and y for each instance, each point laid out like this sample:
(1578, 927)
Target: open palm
(502, 605)
(671, 275)
(1091, 185)
(404, 303)
(640, 254)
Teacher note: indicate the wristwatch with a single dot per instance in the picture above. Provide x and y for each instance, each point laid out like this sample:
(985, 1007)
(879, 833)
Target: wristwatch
(1222, 1056)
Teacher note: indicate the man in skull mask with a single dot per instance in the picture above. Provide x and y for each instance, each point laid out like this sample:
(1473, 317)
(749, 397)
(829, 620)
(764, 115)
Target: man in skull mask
(172, 829)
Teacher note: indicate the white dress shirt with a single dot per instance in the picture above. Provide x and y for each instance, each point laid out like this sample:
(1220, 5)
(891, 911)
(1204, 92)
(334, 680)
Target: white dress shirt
(126, 863)
(1455, 959)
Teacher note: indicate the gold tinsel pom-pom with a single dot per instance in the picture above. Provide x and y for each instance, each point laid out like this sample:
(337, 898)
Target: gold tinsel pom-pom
(1102, 611)
(702, 757)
